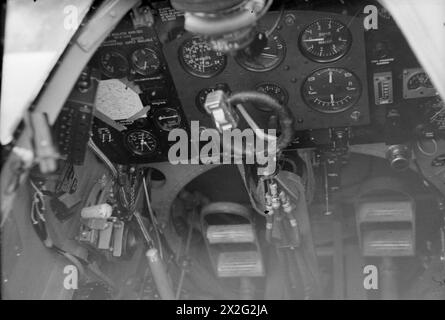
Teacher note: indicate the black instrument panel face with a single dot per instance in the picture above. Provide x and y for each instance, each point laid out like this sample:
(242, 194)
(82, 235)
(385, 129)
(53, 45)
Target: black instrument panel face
(304, 43)
(397, 84)
(137, 102)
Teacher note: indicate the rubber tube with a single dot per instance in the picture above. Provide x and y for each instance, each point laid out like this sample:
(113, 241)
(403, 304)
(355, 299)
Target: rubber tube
(285, 117)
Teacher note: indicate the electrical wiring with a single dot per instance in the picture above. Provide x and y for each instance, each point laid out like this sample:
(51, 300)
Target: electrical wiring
(277, 22)
(39, 222)
(426, 153)
(103, 157)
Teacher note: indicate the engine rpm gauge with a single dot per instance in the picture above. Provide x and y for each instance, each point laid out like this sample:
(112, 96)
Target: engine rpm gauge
(199, 59)
(325, 40)
(267, 59)
(141, 142)
(331, 90)
(113, 64)
(145, 61)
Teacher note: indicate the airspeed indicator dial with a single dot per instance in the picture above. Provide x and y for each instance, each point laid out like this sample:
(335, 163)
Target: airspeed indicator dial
(325, 40)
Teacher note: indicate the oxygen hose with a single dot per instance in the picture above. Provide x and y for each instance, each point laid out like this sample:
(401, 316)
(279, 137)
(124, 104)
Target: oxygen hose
(285, 117)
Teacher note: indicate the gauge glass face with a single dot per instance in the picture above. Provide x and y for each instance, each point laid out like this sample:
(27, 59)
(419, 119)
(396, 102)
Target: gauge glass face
(331, 90)
(141, 142)
(325, 40)
(167, 119)
(267, 59)
(275, 91)
(145, 61)
(418, 80)
(200, 60)
(113, 64)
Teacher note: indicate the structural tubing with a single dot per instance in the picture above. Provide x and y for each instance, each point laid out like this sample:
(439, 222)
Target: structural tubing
(159, 274)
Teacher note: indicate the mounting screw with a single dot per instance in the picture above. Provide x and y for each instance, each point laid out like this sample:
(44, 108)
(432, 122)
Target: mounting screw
(355, 115)
(289, 19)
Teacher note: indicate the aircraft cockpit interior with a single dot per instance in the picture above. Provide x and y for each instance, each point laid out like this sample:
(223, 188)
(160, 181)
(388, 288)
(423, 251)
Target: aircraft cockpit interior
(223, 150)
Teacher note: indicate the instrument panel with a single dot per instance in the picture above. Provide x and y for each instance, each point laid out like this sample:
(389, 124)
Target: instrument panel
(136, 102)
(322, 65)
(313, 61)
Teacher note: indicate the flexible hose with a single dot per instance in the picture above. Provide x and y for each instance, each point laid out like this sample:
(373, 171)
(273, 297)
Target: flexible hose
(285, 117)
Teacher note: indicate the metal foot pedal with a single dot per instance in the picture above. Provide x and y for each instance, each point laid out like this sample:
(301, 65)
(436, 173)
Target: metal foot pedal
(235, 233)
(231, 240)
(240, 264)
(386, 221)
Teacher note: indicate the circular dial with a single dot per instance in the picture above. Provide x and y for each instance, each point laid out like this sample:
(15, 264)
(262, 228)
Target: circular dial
(275, 91)
(199, 59)
(325, 40)
(267, 58)
(202, 95)
(167, 118)
(145, 61)
(141, 142)
(418, 80)
(113, 64)
(331, 90)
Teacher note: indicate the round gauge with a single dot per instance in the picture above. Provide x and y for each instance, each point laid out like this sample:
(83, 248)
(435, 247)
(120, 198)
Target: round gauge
(202, 95)
(325, 40)
(267, 59)
(331, 90)
(418, 80)
(167, 118)
(199, 59)
(141, 142)
(145, 61)
(275, 91)
(113, 64)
